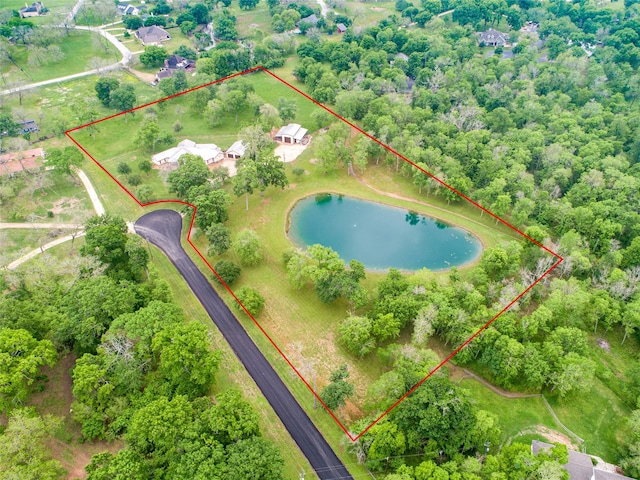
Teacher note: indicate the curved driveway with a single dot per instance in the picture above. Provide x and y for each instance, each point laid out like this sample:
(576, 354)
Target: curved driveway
(162, 228)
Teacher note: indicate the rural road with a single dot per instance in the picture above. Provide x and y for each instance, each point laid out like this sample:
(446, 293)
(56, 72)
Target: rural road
(163, 228)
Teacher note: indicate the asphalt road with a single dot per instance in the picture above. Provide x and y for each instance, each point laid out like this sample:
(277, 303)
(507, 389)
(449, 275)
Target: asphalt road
(162, 228)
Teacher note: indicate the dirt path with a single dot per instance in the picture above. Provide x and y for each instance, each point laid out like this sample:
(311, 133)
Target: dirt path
(495, 389)
(37, 225)
(95, 200)
(16, 263)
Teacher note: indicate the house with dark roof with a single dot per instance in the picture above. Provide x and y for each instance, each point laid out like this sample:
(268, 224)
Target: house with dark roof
(312, 19)
(581, 466)
(152, 35)
(341, 27)
(292, 133)
(494, 38)
(173, 64)
(28, 126)
(125, 9)
(34, 10)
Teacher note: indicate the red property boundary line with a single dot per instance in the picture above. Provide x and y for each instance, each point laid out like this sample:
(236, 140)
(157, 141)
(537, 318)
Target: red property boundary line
(352, 437)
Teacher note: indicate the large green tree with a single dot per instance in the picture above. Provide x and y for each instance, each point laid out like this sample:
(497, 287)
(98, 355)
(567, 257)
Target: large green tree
(21, 357)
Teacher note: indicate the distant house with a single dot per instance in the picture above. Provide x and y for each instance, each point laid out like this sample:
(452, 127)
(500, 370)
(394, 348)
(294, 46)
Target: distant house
(17, 161)
(494, 38)
(173, 64)
(235, 151)
(292, 133)
(28, 126)
(209, 152)
(401, 56)
(34, 10)
(312, 19)
(341, 27)
(153, 35)
(580, 465)
(125, 9)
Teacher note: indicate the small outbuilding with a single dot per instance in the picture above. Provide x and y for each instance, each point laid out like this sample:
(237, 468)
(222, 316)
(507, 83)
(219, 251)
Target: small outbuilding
(236, 150)
(292, 133)
(341, 27)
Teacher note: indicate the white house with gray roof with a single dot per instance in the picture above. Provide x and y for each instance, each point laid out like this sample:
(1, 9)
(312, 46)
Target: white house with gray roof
(209, 152)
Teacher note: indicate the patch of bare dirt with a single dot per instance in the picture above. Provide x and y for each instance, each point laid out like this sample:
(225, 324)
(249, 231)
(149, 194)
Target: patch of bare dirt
(377, 9)
(553, 436)
(313, 161)
(603, 344)
(65, 203)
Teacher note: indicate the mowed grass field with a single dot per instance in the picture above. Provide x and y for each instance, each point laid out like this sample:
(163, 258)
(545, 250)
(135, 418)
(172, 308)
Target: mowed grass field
(79, 47)
(194, 127)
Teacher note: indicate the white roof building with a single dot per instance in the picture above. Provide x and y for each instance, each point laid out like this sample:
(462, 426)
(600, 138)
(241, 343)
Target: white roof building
(209, 152)
(292, 133)
(236, 150)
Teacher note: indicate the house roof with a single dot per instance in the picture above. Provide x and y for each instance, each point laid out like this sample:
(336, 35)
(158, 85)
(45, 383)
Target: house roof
(34, 7)
(401, 56)
(341, 27)
(238, 148)
(207, 151)
(292, 130)
(164, 74)
(494, 36)
(176, 62)
(310, 19)
(152, 34)
(30, 125)
(579, 466)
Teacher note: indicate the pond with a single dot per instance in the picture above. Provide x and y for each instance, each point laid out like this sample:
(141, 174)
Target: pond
(378, 235)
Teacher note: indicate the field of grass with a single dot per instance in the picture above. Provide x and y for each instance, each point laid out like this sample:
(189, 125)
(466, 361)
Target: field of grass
(194, 127)
(15, 243)
(58, 9)
(599, 417)
(258, 16)
(79, 47)
(514, 414)
(67, 200)
(367, 14)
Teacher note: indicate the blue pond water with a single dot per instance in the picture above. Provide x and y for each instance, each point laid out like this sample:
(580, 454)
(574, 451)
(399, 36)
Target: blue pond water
(378, 235)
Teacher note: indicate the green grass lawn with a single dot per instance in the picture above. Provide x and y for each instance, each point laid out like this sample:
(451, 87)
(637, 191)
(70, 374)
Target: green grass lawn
(58, 9)
(599, 417)
(514, 414)
(79, 47)
(367, 14)
(60, 105)
(246, 21)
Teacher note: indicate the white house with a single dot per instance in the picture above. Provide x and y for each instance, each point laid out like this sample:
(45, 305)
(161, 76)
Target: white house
(209, 152)
(236, 150)
(292, 133)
